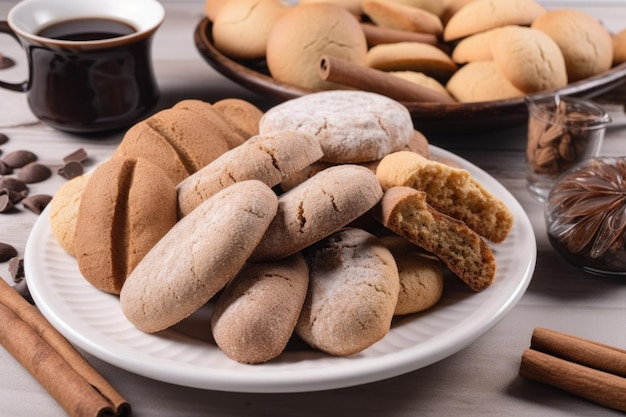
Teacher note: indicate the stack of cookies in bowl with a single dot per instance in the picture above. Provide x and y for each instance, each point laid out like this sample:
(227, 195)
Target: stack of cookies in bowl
(323, 217)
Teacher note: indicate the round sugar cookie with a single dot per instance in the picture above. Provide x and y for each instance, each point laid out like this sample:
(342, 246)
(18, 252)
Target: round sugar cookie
(353, 290)
(198, 256)
(481, 81)
(351, 126)
(399, 16)
(585, 43)
(619, 47)
(480, 15)
(529, 58)
(421, 276)
(304, 34)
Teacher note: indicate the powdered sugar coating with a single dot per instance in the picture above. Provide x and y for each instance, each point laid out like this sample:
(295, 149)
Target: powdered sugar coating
(351, 126)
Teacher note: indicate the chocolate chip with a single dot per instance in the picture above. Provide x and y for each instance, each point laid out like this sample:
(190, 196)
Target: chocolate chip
(7, 252)
(6, 62)
(71, 169)
(16, 268)
(37, 202)
(19, 158)
(78, 155)
(6, 204)
(5, 169)
(3, 138)
(34, 172)
(16, 190)
(22, 289)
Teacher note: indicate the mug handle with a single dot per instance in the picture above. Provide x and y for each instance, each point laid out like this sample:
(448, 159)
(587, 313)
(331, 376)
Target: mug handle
(20, 87)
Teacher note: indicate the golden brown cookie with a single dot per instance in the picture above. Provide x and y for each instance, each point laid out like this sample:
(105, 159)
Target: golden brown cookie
(412, 56)
(405, 211)
(242, 27)
(474, 48)
(242, 116)
(127, 206)
(421, 276)
(585, 43)
(422, 79)
(319, 206)
(352, 293)
(64, 212)
(481, 15)
(178, 141)
(256, 314)
(269, 158)
(450, 190)
(619, 47)
(399, 16)
(218, 120)
(481, 81)
(529, 58)
(304, 34)
(351, 126)
(198, 256)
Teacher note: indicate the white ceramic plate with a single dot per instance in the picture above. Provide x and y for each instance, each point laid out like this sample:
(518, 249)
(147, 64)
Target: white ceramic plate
(185, 354)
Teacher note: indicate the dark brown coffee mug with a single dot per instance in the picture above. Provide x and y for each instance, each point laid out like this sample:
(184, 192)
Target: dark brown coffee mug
(89, 63)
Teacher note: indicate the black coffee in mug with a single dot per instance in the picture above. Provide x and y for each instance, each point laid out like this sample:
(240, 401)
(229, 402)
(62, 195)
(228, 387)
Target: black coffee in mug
(90, 67)
(86, 29)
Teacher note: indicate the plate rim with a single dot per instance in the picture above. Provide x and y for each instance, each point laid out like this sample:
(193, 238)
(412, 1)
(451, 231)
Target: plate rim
(281, 381)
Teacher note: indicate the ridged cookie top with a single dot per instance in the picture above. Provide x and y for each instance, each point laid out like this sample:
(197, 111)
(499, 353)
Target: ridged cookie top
(351, 126)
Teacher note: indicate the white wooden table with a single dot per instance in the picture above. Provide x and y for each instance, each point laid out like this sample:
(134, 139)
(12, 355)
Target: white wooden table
(480, 380)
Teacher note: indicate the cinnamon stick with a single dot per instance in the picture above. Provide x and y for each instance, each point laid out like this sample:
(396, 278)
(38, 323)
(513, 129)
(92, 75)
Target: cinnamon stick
(576, 349)
(342, 72)
(598, 386)
(376, 35)
(78, 388)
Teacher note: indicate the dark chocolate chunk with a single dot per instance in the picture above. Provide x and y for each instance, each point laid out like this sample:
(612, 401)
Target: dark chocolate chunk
(78, 155)
(16, 190)
(3, 138)
(22, 289)
(5, 169)
(16, 268)
(71, 169)
(6, 204)
(37, 202)
(34, 172)
(19, 158)
(7, 252)
(6, 62)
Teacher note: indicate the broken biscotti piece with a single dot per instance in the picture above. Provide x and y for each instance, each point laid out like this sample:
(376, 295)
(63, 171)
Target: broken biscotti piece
(452, 191)
(406, 212)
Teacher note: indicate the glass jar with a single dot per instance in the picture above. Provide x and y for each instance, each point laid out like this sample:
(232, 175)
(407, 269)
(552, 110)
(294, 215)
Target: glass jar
(586, 215)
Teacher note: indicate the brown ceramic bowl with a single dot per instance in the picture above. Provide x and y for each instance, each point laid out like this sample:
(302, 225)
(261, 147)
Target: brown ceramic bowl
(456, 117)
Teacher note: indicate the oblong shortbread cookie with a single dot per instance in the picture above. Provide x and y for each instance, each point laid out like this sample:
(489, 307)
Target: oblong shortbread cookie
(319, 206)
(198, 256)
(255, 316)
(268, 158)
(353, 291)
(351, 126)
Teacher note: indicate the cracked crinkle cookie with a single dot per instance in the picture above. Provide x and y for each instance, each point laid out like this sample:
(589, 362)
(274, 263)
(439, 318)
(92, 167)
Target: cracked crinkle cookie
(267, 158)
(351, 126)
(353, 290)
(319, 206)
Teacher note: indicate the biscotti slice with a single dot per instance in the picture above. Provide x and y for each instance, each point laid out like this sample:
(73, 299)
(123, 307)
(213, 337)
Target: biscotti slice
(268, 158)
(450, 190)
(255, 316)
(353, 291)
(405, 211)
(241, 115)
(64, 212)
(319, 206)
(198, 256)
